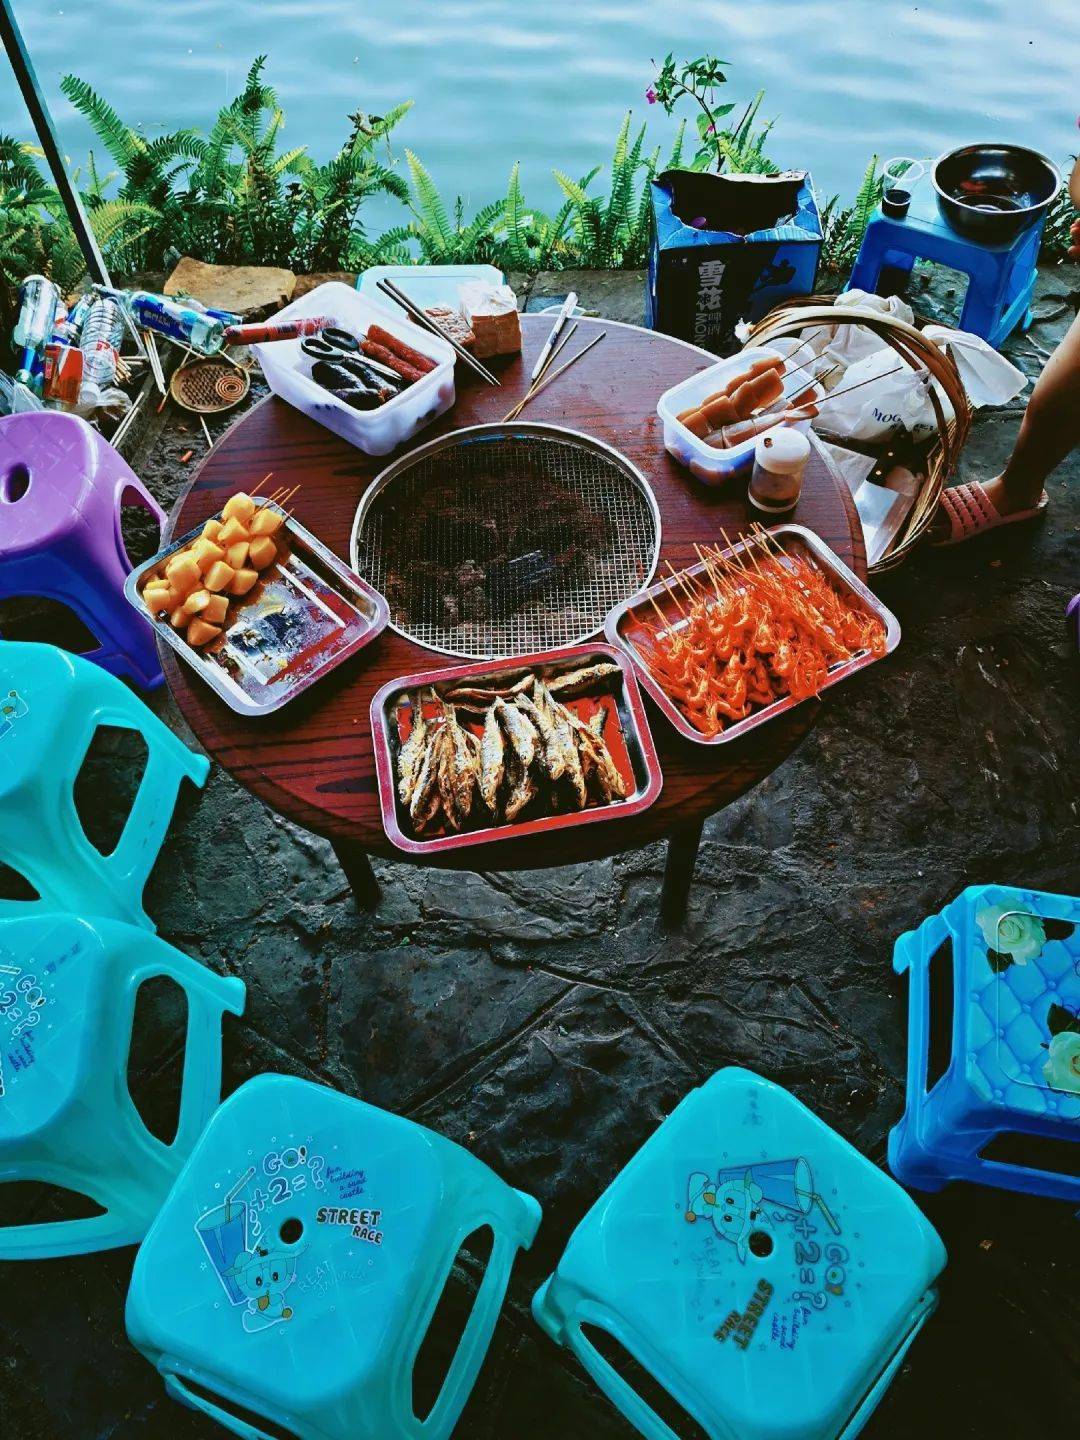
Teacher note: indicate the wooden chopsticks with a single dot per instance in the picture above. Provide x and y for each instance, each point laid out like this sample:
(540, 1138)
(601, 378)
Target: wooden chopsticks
(423, 318)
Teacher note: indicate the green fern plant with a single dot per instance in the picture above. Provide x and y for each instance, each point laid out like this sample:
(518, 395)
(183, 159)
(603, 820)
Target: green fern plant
(443, 235)
(607, 232)
(843, 228)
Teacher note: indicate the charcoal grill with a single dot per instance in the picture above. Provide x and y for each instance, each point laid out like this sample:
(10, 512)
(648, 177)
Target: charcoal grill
(505, 540)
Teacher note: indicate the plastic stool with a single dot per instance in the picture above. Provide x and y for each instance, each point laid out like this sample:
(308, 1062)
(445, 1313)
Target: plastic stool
(1014, 1066)
(333, 1226)
(51, 703)
(67, 1004)
(62, 487)
(1002, 277)
(768, 1276)
(1072, 617)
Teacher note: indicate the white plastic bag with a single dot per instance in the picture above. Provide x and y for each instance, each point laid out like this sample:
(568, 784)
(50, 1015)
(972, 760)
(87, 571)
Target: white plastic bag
(891, 397)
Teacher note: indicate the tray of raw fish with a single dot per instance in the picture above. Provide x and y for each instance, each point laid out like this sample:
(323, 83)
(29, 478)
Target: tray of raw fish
(501, 749)
(256, 604)
(751, 631)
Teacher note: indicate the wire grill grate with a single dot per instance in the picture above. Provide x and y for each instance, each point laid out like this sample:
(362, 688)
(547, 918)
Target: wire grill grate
(505, 543)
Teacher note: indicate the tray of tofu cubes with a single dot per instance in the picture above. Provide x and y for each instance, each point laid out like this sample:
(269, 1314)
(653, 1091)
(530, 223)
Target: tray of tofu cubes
(498, 750)
(256, 604)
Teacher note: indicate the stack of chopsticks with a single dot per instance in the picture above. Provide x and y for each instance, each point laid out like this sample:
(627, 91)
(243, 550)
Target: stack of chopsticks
(422, 318)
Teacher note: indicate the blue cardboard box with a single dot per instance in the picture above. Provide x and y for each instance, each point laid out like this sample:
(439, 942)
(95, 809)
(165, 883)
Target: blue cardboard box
(727, 248)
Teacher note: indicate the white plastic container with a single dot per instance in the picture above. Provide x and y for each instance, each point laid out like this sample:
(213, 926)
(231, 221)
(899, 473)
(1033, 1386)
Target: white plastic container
(710, 465)
(376, 432)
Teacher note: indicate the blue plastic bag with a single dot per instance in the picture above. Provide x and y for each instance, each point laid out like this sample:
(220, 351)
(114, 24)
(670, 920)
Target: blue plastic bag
(727, 248)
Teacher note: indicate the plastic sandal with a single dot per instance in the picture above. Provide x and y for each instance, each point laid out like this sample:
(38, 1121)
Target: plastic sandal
(970, 512)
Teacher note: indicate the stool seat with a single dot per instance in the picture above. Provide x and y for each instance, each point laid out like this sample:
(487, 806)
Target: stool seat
(296, 1265)
(1011, 971)
(1001, 276)
(768, 1276)
(62, 491)
(67, 1006)
(51, 705)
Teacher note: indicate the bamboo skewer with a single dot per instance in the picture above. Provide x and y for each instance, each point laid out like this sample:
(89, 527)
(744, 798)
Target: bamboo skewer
(553, 375)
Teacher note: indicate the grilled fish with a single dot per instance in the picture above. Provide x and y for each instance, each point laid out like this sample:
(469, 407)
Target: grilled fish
(561, 750)
(522, 788)
(492, 761)
(596, 759)
(520, 731)
(576, 682)
(424, 804)
(473, 695)
(460, 771)
(411, 754)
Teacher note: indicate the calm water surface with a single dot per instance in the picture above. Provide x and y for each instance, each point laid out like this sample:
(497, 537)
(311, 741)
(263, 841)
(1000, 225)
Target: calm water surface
(546, 82)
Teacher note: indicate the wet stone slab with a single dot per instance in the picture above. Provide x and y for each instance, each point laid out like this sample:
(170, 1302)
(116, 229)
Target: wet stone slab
(549, 1023)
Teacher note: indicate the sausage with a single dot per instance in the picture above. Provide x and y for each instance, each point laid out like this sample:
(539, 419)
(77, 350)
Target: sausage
(400, 367)
(378, 336)
(763, 389)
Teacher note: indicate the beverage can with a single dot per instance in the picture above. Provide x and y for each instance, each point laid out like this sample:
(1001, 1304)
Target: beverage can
(63, 374)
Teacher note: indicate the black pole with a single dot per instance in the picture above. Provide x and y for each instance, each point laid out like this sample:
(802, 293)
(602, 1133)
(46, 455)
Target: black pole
(46, 133)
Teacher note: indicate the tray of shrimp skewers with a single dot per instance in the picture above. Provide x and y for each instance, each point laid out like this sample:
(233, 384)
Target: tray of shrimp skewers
(501, 749)
(750, 631)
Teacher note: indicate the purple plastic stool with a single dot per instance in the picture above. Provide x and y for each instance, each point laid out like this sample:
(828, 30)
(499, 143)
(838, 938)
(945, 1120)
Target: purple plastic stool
(62, 487)
(1072, 616)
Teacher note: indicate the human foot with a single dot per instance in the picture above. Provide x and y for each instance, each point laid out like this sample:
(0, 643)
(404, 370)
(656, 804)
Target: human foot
(974, 509)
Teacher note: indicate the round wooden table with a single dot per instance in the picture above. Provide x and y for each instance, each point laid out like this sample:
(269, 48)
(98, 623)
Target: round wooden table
(313, 760)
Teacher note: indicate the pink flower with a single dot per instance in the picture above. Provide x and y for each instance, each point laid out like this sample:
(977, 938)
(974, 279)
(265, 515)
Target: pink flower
(650, 95)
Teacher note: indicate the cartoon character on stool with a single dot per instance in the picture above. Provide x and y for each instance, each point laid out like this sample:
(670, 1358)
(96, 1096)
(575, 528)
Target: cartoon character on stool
(735, 1199)
(733, 1205)
(264, 1276)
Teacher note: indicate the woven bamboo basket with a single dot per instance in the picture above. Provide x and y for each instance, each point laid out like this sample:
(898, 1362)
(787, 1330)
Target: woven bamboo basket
(794, 316)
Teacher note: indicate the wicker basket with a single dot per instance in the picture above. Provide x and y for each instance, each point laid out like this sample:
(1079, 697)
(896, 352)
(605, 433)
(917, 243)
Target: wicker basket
(794, 316)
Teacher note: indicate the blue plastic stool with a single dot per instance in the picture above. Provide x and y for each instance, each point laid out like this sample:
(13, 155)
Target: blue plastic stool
(51, 703)
(762, 1271)
(1002, 277)
(67, 1005)
(1014, 1066)
(294, 1269)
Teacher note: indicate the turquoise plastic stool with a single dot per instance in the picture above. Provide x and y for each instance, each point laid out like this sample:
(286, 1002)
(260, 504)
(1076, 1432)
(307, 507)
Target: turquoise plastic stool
(294, 1269)
(1001, 278)
(762, 1271)
(1005, 1109)
(51, 703)
(67, 1004)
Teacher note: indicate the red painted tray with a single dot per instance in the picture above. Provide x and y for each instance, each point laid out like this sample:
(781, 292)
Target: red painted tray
(623, 626)
(626, 734)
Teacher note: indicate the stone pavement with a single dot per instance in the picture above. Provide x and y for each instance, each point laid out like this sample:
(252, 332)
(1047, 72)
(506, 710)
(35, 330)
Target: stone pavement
(548, 1022)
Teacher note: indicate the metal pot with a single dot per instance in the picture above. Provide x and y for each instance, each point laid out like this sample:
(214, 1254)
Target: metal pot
(992, 192)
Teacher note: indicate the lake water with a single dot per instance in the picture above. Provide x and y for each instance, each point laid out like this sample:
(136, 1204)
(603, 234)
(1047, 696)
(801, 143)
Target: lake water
(546, 82)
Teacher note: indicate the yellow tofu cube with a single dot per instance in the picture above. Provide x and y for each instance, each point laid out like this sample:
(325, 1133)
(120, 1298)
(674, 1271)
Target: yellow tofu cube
(262, 552)
(197, 601)
(215, 610)
(219, 576)
(206, 553)
(243, 581)
(200, 633)
(212, 529)
(236, 555)
(266, 522)
(184, 574)
(230, 532)
(240, 507)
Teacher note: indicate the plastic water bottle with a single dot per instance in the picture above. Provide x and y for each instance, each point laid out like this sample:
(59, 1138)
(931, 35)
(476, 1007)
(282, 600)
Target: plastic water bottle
(16, 398)
(102, 334)
(38, 299)
(180, 323)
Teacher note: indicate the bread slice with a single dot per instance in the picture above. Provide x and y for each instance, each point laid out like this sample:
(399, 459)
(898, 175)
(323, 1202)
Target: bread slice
(492, 313)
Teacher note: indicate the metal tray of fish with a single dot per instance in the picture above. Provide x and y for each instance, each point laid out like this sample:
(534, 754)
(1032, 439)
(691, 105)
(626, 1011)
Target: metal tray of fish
(624, 628)
(428, 807)
(307, 614)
